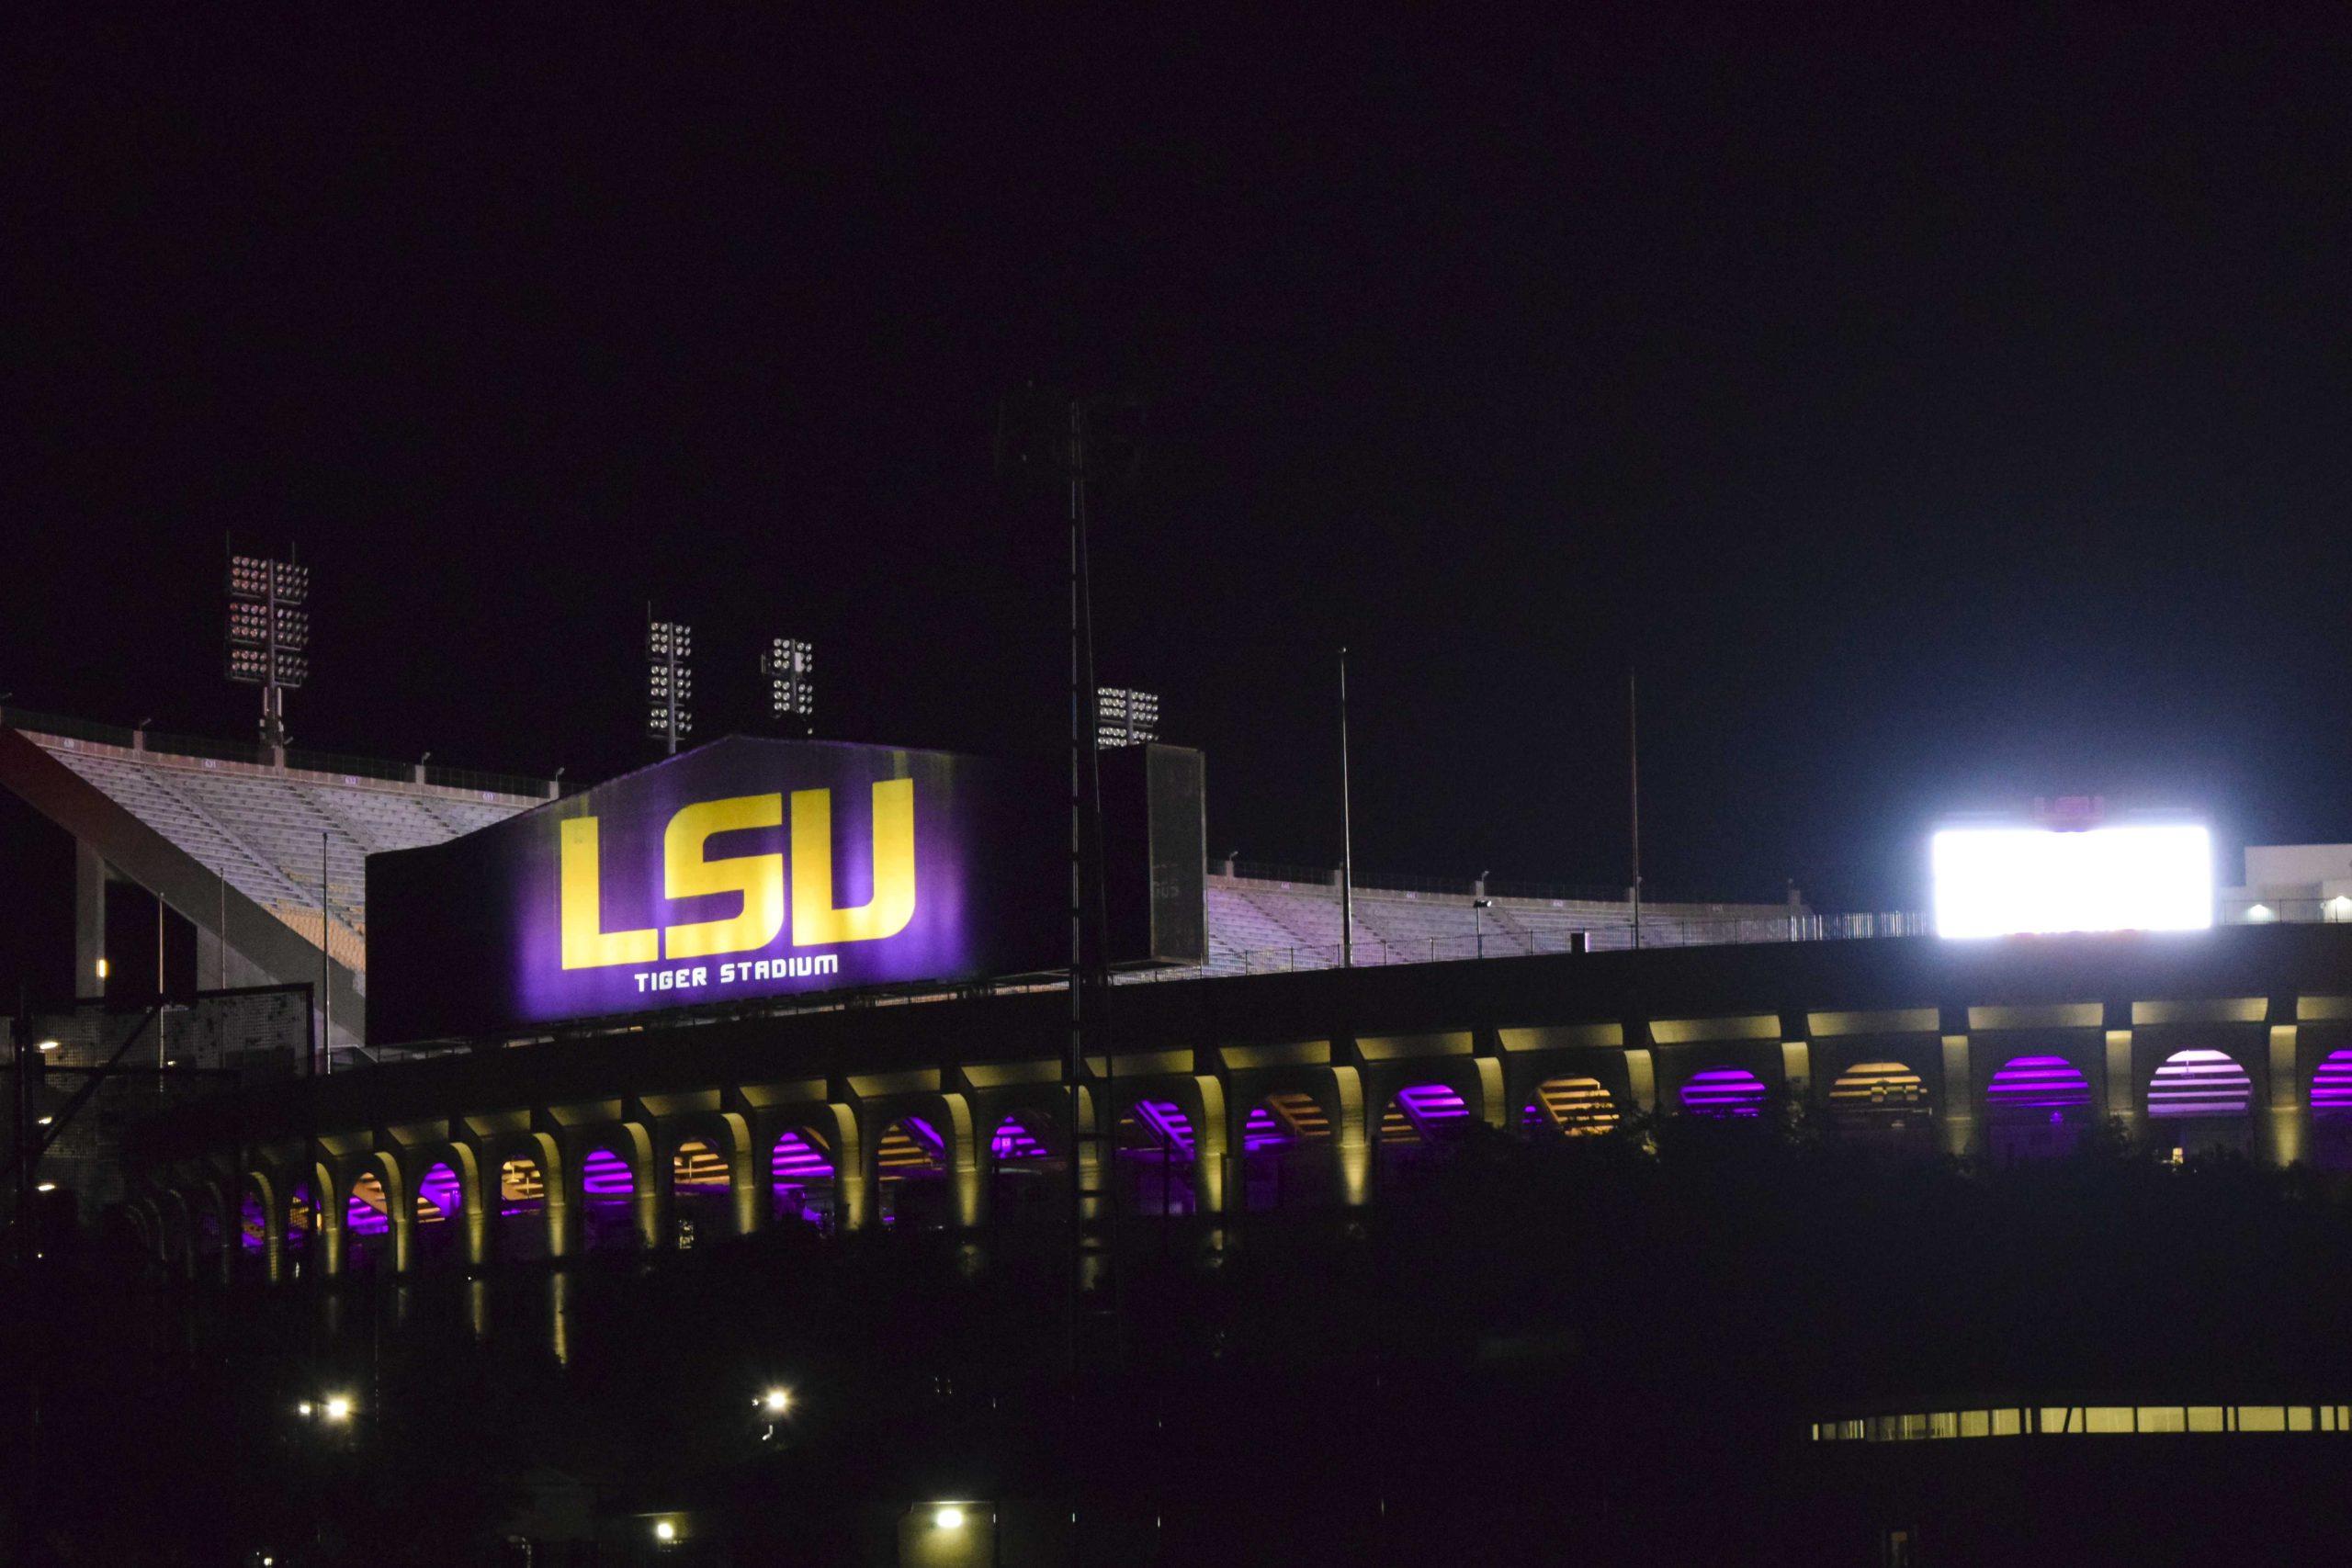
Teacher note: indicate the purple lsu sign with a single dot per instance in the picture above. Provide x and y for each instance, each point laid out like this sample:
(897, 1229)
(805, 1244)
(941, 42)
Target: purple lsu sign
(746, 869)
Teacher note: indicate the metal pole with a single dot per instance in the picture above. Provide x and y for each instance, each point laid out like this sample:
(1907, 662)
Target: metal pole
(1074, 1068)
(1633, 775)
(326, 965)
(1347, 834)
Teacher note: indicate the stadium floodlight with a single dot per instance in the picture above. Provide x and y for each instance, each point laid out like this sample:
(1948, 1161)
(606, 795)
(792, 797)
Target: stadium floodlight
(2019, 881)
(1123, 717)
(269, 635)
(790, 666)
(669, 681)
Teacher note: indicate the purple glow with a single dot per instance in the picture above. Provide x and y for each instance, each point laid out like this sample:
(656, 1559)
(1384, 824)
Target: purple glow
(1432, 1104)
(2200, 1083)
(2036, 1083)
(604, 1177)
(800, 1156)
(1013, 1140)
(2331, 1086)
(1723, 1092)
(253, 1224)
(362, 1212)
(438, 1193)
(1168, 1124)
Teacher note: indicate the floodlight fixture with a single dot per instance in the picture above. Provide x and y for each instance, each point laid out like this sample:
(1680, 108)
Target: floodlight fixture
(664, 1531)
(669, 681)
(948, 1517)
(268, 634)
(1123, 717)
(790, 666)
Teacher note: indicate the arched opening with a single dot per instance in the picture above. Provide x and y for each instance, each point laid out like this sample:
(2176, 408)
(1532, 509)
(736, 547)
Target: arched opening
(366, 1223)
(2201, 1099)
(1724, 1092)
(440, 1216)
(1286, 1157)
(2332, 1111)
(911, 1169)
(522, 1211)
(1884, 1103)
(801, 1173)
(1156, 1155)
(1422, 1125)
(252, 1231)
(2035, 1108)
(701, 1195)
(607, 1202)
(1028, 1177)
(301, 1224)
(1573, 1107)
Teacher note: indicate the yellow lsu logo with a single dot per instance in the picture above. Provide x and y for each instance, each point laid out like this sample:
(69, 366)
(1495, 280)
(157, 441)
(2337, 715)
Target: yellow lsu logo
(759, 878)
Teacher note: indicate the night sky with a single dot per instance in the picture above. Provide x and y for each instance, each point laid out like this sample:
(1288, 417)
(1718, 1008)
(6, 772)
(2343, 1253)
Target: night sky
(1936, 418)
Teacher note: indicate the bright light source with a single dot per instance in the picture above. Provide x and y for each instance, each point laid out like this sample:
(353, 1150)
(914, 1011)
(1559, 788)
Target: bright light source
(102, 968)
(950, 1517)
(776, 1401)
(45, 1186)
(663, 1530)
(43, 1121)
(338, 1408)
(303, 1409)
(2257, 914)
(46, 1045)
(2016, 881)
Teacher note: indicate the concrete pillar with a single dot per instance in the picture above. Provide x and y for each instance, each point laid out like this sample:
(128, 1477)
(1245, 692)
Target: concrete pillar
(89, 920)
(745, 1190)
(650, 1175)
(330, 1235)
(852, 1181)
(1211, 1191)
(2289, 1128)
(559, 1180)
(966, 1179)
(1351, 1138)
(273, 1235)
(477, 1197)
(2123, 1083)
(1797, 1071)
(1959, 1117)
(402, 1237)
(1641, 1073)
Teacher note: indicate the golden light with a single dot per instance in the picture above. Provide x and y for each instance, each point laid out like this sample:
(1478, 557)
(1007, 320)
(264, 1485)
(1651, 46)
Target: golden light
(102, 968)
(338, 1408)
(776, 1401)
(950, 1517)
(46, 1045)
(45, 1186)
(664, 1531)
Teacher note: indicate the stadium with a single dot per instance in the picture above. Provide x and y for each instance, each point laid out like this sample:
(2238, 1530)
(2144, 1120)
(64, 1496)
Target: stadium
(1275, 1056)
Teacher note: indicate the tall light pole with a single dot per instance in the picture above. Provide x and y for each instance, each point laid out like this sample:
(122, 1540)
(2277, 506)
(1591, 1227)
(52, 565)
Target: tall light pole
(1347, 835)
(1633, 784)
(269, 637)
(790, 666)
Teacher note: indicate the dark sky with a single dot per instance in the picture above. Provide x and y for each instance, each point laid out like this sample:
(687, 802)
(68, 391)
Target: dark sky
(1938, 418)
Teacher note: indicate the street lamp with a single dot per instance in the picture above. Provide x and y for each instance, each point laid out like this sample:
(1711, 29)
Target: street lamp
(775, 1401)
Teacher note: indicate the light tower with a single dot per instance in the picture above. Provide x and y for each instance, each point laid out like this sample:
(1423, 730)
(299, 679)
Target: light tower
(790, 666)
(1123, 717)
(269, 637)
(669, 681)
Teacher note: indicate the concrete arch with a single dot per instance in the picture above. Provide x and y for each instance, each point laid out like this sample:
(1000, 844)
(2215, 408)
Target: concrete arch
(1478, 1081)
(1723, 1089)
(505, 1201)
(728, 1134)
(395, 1249)
(267, 1217)
(468, 1220)
(949, 1114)
(2202, 1097)
(642, 1218)
(1337, 1096)
(844, 1203)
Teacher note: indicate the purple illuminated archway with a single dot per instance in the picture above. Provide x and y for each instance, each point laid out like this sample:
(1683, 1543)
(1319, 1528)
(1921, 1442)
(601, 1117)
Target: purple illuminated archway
(2200, 1083)
(2036, 1107)
(253, 1222)
(1285, 1153)
(2331, 1087)
(1156, 1158)
(366, 1222)
(440, 1213)
(608, 1202)
(1028, 1180)
(1420, 1123)
(1724, 1092)
(801, 1178)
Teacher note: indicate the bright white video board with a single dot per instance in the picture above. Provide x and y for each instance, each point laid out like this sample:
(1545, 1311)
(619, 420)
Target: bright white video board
(2019, 881)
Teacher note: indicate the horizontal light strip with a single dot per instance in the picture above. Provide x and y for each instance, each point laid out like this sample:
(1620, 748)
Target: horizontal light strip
(2086, 1421)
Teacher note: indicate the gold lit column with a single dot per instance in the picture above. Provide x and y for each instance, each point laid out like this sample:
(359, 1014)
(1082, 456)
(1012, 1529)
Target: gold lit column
(1960, 1097)
(2289, 1110)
